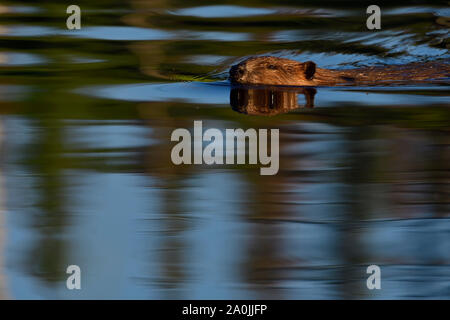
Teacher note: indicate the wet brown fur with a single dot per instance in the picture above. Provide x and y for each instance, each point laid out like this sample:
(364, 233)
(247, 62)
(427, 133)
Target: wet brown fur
(285, 72)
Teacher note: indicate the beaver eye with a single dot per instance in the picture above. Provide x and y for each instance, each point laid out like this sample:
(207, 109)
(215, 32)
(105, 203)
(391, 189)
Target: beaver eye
(271, 66)
(240, 72)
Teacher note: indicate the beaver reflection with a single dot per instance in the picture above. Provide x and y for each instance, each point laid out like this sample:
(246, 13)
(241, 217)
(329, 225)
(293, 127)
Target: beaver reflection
(269, 101)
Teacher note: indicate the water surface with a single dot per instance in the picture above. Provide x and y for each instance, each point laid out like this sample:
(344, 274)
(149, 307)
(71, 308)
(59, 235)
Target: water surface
(86, 176)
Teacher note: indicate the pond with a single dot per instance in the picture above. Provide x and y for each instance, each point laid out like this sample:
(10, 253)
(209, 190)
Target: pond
(87, 179)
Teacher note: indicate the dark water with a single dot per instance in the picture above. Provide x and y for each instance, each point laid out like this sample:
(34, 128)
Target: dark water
(86, 176)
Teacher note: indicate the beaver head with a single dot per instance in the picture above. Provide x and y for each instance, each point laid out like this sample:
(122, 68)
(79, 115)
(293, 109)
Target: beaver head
(273, 71)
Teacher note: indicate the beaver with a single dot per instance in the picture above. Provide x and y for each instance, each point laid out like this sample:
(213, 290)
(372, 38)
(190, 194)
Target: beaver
(268, 70)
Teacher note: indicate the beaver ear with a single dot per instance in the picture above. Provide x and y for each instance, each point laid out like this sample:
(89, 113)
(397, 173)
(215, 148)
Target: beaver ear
(310, 69)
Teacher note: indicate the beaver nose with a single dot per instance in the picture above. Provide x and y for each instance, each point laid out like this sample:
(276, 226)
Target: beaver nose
(237, 73)
(234, 71)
